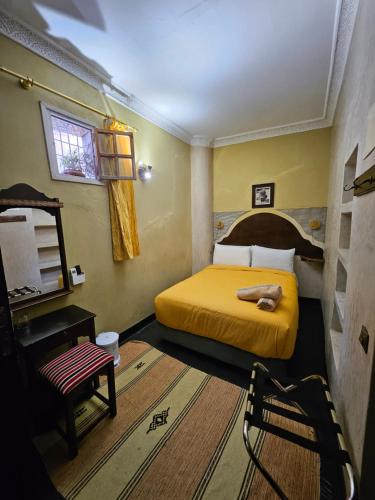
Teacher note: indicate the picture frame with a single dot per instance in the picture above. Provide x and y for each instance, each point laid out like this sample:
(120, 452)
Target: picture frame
(263, 195)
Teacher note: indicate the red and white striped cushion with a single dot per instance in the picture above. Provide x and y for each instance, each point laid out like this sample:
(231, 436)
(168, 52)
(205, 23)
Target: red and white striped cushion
(74, 366)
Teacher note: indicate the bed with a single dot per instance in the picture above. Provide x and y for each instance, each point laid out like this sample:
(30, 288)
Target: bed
(206, 305)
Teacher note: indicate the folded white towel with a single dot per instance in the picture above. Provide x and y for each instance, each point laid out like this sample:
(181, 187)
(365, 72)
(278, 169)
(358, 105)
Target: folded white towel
(259, 292)
(268, 304)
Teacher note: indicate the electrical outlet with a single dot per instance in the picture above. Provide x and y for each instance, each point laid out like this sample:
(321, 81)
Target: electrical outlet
(364, 338)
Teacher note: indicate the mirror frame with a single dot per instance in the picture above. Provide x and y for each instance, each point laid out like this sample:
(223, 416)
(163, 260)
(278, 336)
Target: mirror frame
(25, 196)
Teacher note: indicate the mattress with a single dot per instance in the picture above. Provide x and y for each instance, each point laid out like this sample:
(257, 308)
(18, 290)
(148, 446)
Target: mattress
(206, 304)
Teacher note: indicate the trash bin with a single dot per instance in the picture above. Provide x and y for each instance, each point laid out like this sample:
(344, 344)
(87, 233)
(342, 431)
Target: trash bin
(109, 342)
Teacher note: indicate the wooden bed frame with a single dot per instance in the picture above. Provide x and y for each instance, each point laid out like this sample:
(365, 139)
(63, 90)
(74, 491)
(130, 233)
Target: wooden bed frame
(268, 229)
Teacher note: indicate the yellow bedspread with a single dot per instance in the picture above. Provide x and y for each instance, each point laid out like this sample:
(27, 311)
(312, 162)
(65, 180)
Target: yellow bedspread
(206, 305)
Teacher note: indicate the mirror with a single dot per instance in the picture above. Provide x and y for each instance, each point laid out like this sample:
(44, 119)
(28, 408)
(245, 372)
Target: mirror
(32, 248)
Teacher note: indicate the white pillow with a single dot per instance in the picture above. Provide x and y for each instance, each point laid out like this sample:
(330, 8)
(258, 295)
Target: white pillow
(273, 258)
(232, 255)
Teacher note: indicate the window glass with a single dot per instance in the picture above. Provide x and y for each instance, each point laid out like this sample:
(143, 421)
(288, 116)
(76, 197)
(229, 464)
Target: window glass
(105, 143)
(125, 167)
(74, 148)
(123, 144)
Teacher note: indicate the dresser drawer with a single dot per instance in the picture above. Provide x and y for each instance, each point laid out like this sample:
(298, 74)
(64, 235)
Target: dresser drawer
(66, 335)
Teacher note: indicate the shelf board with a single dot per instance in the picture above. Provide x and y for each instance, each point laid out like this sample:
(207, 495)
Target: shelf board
(52, 244)
(49, 283)
(312, 259)
(340, 303)
(43, 226)
(347, 208)
(49, 265)
(50, 286)
(343, 254)
(335, 343)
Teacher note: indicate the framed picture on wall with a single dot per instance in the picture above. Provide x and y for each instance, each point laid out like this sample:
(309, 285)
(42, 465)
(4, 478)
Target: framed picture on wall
(263, 195)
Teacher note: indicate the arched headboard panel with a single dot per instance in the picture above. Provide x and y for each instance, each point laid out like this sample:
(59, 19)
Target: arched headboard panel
(274, 231)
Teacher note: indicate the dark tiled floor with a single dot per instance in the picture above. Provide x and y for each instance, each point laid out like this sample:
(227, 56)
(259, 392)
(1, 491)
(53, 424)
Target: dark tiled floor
(308, 356)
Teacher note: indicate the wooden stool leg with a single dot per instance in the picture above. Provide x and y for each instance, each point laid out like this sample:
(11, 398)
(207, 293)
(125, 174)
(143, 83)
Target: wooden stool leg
(71, 428)
(111, 389)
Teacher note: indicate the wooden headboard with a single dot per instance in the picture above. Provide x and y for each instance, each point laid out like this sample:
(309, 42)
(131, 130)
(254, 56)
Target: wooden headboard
(273, 231)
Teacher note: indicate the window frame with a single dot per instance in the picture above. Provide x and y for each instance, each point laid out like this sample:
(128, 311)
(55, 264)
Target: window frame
(47, 112)
(116, 156)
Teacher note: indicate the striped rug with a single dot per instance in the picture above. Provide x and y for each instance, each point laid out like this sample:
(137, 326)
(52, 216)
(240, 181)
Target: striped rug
(177, 434)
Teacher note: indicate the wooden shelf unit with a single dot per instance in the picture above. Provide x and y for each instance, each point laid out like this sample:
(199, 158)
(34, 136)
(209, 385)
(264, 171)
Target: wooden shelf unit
(48, 251)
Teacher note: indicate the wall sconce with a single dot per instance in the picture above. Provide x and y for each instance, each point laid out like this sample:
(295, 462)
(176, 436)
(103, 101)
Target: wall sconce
(314, 224)
(144, 171)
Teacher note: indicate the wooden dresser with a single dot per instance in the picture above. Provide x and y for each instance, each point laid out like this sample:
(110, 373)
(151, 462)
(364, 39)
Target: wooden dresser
(41, 336)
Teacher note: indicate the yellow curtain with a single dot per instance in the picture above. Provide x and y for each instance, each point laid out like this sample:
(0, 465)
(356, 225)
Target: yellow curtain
(125, 242)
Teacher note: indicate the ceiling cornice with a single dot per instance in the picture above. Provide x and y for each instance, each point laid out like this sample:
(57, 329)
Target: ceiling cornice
(201, 140)
(46, 47)
(345, 21)
(265, 133)
(140, 108)
(346, 12)
(345, 16)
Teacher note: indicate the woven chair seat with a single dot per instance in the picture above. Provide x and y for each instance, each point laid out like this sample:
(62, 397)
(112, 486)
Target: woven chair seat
(71, 368)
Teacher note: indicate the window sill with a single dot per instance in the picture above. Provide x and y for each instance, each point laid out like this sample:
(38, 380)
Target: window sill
(73, 178)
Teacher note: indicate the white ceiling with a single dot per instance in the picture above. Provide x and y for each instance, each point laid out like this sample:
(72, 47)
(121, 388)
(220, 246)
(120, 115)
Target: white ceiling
(216, 68)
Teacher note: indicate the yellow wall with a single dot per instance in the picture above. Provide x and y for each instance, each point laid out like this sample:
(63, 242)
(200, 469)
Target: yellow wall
(121, 294)
(297, 163)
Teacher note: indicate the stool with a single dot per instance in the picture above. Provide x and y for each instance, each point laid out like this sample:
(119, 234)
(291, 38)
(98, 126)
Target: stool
(69, 372)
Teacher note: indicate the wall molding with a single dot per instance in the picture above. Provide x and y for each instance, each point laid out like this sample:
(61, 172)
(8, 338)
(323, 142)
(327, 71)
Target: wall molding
(266, 133)
(201, 140)
(345, 20)
(345, 16)
(87, 71)
(140, 108)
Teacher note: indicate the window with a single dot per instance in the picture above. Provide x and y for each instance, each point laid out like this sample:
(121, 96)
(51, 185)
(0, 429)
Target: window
(71, 147)
(116, 154)
(74, 148)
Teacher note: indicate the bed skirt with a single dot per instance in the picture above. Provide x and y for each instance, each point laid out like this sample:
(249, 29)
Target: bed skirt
(216, 350)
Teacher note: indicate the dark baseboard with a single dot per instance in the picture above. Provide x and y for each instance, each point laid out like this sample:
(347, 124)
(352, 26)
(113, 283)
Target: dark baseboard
(135, 328)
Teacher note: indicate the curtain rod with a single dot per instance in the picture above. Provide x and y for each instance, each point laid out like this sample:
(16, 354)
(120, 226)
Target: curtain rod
(27, 83)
